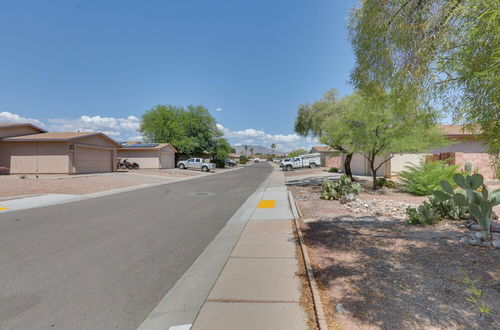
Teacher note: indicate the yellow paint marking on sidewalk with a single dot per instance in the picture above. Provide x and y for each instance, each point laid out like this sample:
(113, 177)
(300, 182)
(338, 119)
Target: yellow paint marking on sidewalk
(266, 204)
(3, 208)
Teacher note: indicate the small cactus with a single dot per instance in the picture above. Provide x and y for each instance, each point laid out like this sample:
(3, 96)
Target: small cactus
(480, 204)
(468, 168)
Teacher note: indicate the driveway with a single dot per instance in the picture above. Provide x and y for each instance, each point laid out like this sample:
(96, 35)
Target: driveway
(105, 263)
(28, 185)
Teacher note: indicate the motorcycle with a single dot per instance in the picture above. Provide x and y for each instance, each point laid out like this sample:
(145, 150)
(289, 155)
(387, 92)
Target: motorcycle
(125, 164)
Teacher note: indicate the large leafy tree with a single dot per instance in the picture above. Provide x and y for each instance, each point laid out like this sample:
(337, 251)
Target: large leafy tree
(442, 52)
(379, 131)
(191, 130)
(310, 121)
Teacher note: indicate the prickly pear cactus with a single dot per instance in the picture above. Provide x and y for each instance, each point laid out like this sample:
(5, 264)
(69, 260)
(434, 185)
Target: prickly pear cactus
(480, 204)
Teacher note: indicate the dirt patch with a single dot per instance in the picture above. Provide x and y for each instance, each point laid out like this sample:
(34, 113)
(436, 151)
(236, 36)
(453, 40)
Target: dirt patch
(16, 186)
(307, 171)
(389, 275)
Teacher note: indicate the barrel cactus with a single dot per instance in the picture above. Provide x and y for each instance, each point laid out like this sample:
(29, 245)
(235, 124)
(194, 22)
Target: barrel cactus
(476, 198)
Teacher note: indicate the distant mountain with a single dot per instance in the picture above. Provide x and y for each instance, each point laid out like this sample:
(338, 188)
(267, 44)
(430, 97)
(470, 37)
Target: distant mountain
(240, 150)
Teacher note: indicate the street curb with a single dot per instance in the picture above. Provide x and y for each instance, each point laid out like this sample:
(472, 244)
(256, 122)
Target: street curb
(318, 306)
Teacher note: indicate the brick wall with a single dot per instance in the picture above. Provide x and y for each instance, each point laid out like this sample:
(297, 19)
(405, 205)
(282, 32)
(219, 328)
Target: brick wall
(479, 161)
(333, 161)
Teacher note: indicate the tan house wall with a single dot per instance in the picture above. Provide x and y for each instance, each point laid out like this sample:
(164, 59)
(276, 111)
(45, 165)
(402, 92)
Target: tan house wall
(38, 157)
(361, 166)
(167, 159)
(398, 162)
(145, 158)
(4, 158)
(17, 131)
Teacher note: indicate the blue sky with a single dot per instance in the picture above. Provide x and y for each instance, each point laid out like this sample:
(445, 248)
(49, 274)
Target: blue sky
(98, 65)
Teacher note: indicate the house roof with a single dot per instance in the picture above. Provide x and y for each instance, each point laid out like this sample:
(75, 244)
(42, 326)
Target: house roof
(141, 146)
(321, 149)
(452, 131)
(5, 125)
(57, 136)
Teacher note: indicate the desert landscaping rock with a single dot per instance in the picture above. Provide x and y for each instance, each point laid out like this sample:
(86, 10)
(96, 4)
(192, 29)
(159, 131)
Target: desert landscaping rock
(464, 240)
(474, 241)
(479, 235)
(379, 207)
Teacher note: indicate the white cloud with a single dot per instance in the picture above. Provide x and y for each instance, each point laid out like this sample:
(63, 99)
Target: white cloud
(218, 109)
(116, 128)
(135, 138)
(95, 123)
(9, 117)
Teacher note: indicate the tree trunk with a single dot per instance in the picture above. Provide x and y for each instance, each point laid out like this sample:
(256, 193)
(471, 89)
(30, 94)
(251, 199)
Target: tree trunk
(374, 175)
(347, 166)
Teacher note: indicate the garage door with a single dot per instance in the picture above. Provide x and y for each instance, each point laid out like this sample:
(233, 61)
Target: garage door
(93, 160)
(167, 160)
(358, 165)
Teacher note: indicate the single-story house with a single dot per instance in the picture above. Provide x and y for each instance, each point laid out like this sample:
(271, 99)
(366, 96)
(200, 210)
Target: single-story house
(329, 157)
(56, 152)
(153, 155)
(463, 148)
(234, 156)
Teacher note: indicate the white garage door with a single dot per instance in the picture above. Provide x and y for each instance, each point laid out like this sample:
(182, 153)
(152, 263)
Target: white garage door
(167, 160)
(93, 160)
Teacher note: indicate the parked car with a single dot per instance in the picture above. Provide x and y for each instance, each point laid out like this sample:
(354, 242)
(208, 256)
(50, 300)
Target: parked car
(256, 160)
(230, 163)
(196, 163)
(307, 160)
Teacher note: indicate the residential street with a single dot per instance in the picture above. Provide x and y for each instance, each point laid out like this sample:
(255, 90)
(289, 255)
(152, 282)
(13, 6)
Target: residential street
(105, 263)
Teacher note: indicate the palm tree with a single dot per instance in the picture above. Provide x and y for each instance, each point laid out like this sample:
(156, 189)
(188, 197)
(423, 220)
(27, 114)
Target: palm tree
(246, 148)
(251, 152)
(273, 146)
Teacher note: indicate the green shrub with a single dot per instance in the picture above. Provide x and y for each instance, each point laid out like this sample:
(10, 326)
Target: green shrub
(333, 170)
(243, 159)
(422, 179)
(424, 214)
(335, 189)
(449, 209)
(383, 182)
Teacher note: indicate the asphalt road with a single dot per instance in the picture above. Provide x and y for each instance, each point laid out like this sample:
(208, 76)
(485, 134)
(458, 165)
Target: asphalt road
(105, 263)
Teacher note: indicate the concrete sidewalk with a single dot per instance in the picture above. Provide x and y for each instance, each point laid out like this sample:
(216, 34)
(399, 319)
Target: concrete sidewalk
(258, 288)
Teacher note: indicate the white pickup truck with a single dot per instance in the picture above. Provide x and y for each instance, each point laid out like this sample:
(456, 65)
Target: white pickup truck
(307, 160)
(196, 163)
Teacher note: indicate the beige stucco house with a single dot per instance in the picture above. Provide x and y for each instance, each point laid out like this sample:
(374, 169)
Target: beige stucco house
(329, 157)
(155, 155)
(462, 148)
(26, 149)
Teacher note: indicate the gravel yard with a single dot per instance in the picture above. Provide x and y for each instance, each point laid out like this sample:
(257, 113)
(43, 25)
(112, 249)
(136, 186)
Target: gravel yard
(377, 272)
(15, 185)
